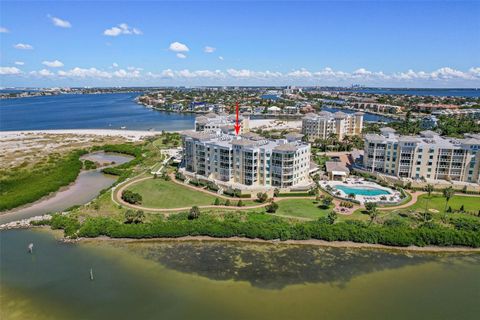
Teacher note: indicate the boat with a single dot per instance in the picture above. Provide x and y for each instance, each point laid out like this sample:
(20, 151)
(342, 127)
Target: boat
(123, 127)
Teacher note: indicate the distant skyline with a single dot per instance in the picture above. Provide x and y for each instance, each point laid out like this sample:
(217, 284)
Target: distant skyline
(133, 43)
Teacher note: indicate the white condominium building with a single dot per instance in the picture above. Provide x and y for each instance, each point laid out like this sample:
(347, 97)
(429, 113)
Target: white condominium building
(212, 122)
(321, 125)
(249, 159)
(428, 156)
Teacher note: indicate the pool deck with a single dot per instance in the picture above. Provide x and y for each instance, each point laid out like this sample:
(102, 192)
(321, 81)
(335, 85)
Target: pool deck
(392, 198)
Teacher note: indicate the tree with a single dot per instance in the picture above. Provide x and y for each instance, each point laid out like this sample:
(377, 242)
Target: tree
(240, 203)
(332, 216)
(447, 194)
(131, 197)
(194, 213)
(227, 203)
(216, 202)
(262, 197)
(351, 195)
(429, 190)
(132, 216)
(327, 201)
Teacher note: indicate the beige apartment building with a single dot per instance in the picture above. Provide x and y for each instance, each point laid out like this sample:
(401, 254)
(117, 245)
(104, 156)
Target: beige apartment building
(321, 125)
(213, 121)
(248, 160)
(427, 156)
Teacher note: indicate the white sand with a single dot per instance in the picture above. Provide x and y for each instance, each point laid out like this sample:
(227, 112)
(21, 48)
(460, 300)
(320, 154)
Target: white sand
(274, 124)
(133, 135)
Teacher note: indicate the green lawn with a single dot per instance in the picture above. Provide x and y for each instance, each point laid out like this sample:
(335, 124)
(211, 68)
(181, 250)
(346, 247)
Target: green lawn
(158, 193)
(437, 202)
(305, 208)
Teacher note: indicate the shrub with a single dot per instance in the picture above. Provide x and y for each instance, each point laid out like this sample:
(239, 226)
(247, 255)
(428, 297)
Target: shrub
(331, 217)
(131, 197)
(132, 216)
(194, 213)
(22, 186)
(212, 186)
(262, 197)
(327, 201)
(227, 203)
(216, 202)
(179, 176)
(89, 165)
(240, 203)
(272, 207)
(276, 192)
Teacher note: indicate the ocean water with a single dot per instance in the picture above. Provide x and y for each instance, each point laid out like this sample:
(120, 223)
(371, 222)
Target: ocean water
(470, 93)
(100, 111)
(367, 117)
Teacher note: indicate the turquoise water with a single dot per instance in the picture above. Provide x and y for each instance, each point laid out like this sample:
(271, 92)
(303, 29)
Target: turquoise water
(362, 191)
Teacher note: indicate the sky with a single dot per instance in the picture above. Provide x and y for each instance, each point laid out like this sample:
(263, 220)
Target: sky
(162, 43)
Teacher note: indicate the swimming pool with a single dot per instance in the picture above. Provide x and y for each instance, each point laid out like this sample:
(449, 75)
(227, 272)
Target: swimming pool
(362, 191)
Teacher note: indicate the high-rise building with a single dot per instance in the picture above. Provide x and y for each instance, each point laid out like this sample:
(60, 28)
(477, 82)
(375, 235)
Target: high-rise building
(212, 122)
(428, 156)
(321, 125)
(249, 159)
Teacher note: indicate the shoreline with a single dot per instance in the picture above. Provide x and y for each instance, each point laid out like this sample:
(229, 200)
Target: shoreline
(314, 242)
(25, 224)
(134, 135)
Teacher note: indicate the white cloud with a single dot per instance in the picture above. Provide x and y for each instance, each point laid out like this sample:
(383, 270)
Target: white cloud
(23, 46)
(220, 58)
(245, 73)
(122, 28)
(115, 65)
(302, 73)
(94, 73)
(9, 71)
(19, 63)
(442, 77)
(42, 73)
(208, 49)
(4, 30)
(60, 22)
(181, 56)
(84, 73)
(178, 47)
(53, 64)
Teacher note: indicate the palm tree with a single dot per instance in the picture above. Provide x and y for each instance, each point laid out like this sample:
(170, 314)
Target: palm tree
(372, 210)
(429, 190)
(447, 193)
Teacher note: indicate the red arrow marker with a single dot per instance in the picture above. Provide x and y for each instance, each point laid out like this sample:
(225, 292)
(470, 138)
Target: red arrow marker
(237, 125)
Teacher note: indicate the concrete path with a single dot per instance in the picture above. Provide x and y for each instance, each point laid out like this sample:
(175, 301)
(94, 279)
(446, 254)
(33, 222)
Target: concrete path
(116, 197)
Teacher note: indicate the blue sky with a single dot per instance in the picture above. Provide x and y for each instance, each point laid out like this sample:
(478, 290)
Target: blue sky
(401, 44)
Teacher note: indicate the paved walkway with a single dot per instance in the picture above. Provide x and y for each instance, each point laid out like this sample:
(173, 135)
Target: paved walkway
(407, 204)
(116, 197)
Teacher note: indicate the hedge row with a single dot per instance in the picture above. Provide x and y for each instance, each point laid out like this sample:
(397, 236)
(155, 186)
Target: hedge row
(267, 227)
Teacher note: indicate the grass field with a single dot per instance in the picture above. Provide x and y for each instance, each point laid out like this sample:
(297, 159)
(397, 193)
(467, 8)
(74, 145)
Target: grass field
(158, 193)
(305, 208)
(437, 203)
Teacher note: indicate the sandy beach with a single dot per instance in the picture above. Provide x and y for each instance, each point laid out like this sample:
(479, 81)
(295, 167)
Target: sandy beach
(274, 124)
(133, 135)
